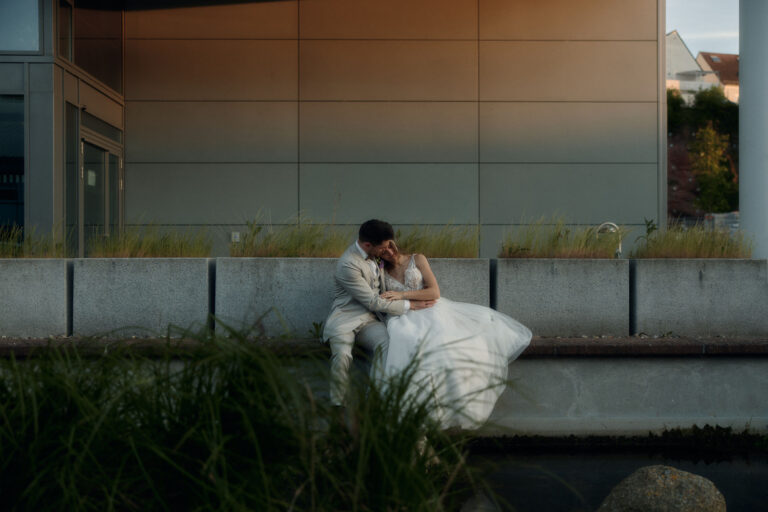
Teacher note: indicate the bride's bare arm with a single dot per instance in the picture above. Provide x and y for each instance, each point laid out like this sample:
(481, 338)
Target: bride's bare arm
(431, 290)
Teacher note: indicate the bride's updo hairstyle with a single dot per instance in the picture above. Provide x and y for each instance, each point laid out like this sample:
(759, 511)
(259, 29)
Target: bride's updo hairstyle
(376, 232)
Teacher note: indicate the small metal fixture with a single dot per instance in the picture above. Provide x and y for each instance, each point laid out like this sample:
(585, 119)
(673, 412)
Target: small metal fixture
(610, 227)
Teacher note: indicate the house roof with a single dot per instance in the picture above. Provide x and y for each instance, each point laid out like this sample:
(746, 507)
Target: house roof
(725, 64)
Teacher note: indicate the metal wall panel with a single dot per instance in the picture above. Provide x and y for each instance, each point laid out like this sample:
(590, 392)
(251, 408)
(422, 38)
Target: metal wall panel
(100, 105)
(211, 70)
(394, 19)
(568, 71)
(568, 132)
(11, 78)
(389, 70)
(388, 132)
(228, 20)
(211, 132)
(516, 193)
(39, 179)
(400, 193)
(568, 20)
(217, 193)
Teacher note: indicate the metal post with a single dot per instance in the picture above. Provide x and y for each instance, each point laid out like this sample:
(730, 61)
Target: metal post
(753, 123)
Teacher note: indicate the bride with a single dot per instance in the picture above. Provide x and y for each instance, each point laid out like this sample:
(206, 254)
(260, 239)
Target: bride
(459, 352)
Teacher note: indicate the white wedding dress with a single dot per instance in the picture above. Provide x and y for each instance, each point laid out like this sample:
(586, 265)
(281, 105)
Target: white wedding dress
(460, 351)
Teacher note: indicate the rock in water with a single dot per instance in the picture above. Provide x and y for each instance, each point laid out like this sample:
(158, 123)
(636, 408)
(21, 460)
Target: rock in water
(663, 489)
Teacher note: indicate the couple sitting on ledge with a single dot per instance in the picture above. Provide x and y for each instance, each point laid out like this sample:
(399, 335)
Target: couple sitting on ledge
(389, 303)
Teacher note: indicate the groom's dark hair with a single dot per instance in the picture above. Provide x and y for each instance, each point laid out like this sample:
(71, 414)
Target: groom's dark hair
(376, 231)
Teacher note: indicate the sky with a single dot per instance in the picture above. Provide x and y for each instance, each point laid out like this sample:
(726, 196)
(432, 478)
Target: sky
(705, 25)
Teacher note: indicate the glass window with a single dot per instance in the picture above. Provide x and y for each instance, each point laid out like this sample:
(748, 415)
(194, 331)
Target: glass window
(65, 29)
(19, 25)
(99, 40)
(101, 127)
(11, 161)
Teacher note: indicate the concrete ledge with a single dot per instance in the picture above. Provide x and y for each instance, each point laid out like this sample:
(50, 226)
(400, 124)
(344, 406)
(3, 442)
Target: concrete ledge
(33, 297)
(560, 297)
(631, 396)
(274, 296)
(646, 347)
(562, 395)
(701, 297)
(125, 296)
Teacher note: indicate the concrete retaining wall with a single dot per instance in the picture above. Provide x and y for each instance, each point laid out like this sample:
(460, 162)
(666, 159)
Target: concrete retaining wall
(463, 279)
(554, 297)
(139, 296)
(276, 296)
(558, 297)
(702, 297)
(33, 297)
(631, 396)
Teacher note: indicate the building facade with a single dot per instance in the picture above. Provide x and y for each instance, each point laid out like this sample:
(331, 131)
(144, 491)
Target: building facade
(684, 71)
(191, 114)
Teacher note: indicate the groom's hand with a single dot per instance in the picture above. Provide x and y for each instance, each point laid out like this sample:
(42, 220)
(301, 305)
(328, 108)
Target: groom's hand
(422, 304)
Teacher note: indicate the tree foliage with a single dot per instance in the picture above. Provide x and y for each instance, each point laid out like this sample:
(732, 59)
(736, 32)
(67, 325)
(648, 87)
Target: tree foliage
(717, 185)
(709, 129)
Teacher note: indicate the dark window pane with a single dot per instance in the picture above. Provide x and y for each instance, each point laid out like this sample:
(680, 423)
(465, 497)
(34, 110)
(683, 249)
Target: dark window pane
(19, 26)
(65, 29)
(99, 40)
(101, 127)
(11, 160)
(94, 215)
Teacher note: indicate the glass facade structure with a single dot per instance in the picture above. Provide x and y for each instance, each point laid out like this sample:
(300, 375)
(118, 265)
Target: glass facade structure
(11, 161)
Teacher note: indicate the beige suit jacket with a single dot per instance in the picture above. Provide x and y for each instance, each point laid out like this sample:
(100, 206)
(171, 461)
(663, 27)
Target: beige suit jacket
(356, 297)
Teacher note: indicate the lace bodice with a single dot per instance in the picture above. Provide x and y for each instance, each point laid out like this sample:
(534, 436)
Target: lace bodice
(413, 280)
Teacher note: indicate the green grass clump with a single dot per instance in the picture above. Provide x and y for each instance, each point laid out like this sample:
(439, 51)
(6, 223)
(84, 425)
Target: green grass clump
(678, 241)
(148, 242)
(447, 241)
(552, 238)
(304, 240)
(15, 244)
(229, 426)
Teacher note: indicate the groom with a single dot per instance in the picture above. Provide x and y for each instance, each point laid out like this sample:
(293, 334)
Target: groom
(357, 313)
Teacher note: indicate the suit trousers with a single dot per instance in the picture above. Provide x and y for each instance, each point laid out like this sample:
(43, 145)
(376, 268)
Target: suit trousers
(372, 336)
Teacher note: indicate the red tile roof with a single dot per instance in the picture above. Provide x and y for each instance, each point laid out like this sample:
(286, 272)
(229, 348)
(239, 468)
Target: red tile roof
(726, 65)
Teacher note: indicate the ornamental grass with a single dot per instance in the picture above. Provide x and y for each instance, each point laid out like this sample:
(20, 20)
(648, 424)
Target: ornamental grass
(227, 426)
(679, 241)
(299, 240)
(149, 242)
(449, 241)
(553, 238)
(14, 243)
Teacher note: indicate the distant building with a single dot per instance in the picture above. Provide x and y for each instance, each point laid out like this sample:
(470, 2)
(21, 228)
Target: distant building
(726, 67)
(684, 72)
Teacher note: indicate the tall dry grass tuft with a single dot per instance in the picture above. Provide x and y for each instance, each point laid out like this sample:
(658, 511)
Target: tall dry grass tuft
(14, 243)
(148, 242)
(447, 241)
(305, 240)
(230, 425)
(553, 238)
(679, 241)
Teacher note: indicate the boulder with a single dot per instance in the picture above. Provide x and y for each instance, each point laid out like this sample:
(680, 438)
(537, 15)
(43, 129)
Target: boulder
(664, 489)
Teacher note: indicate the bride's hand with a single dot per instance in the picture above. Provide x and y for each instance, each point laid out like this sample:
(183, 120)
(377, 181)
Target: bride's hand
(392, 295)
